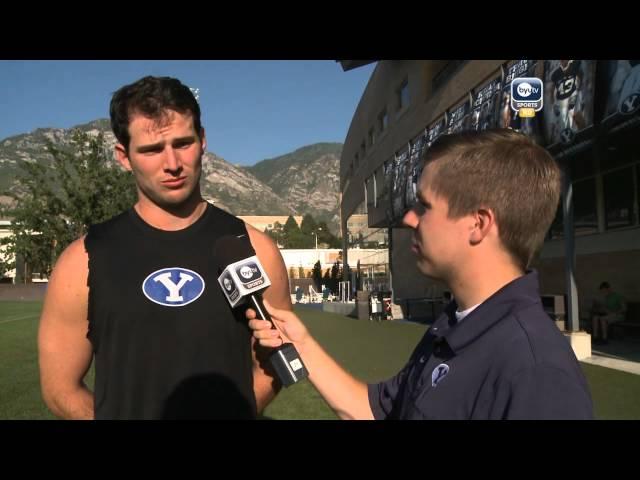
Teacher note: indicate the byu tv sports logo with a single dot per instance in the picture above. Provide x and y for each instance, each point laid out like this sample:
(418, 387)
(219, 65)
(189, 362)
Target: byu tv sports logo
(526, 95)
(173, 287)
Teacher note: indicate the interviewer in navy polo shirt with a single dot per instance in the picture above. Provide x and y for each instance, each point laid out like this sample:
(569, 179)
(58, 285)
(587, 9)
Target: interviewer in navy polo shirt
(486, 201)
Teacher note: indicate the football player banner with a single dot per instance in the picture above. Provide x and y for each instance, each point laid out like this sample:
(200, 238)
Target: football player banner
(507, 117)
(399, 181)
(569, 87)
(485, 105)
(435, 130)
(415, 168)
(458, 118)
(623, 89)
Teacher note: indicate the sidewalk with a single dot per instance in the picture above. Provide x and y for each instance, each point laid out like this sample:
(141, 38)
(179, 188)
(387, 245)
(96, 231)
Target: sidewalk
(617, 354)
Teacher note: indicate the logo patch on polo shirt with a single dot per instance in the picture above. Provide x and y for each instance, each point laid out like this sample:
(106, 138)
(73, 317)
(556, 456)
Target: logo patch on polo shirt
(439, 373)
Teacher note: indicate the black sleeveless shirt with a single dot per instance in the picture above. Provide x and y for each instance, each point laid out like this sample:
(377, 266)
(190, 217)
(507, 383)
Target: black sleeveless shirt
(166, 342)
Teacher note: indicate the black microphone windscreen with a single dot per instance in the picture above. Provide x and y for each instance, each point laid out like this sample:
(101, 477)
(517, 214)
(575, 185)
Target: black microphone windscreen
(232, 248)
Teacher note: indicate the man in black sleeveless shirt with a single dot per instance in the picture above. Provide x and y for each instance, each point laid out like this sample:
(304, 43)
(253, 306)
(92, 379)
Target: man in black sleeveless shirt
(139, 292)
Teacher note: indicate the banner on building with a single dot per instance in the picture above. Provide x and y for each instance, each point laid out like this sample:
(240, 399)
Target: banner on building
(459, 117)
(507, 117)
(485, 105)
(418, 144)
(622, 90)
(568, 100)
(436, 129)
(401, 163)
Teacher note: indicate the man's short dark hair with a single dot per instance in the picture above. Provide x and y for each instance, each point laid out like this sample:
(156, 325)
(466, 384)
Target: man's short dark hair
(604, 285)
(151, 97)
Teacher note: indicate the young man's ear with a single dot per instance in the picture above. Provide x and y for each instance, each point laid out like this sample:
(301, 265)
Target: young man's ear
(203, 140)
(484, 219)
(123, 157)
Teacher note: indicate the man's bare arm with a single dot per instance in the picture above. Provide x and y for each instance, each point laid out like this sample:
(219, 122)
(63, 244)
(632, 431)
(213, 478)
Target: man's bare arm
(64, 352)
(264, 385)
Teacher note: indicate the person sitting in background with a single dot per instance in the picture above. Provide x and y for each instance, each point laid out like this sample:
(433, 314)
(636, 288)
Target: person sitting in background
(611, 308)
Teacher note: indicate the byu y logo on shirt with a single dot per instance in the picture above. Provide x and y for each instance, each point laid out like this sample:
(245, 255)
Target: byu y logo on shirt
(439, 373)
(173, 287)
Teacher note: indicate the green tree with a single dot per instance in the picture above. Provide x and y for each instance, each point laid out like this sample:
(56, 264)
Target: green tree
(316, 275)
(276, 233)
(308, 224)
(326, 280)
(53, 204)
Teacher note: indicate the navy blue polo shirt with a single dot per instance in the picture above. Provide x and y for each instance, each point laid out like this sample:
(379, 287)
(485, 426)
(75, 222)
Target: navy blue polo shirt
(505, 360)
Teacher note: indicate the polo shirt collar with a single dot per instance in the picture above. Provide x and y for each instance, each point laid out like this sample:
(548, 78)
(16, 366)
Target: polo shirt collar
(522, 290)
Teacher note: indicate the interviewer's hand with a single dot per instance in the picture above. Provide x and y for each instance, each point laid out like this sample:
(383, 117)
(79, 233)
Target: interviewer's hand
(289, 328)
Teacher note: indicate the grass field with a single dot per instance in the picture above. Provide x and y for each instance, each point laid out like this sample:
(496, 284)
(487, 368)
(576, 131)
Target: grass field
(371, 351)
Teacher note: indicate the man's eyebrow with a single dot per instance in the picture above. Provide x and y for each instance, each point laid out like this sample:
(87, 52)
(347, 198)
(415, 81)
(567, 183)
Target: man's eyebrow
(188, 138)
(155, 146)
(150, 147)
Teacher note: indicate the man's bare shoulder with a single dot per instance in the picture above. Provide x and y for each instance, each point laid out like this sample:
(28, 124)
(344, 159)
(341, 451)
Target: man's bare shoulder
(261, 240)
(73, 258)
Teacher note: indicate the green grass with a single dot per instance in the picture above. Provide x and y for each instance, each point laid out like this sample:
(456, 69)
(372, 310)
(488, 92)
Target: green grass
(616, 394)
(371, 351)
(19, 379)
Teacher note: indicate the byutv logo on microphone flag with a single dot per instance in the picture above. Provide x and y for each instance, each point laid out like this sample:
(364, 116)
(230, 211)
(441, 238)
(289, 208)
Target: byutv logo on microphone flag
(249, 274)
(173, 287)
(243, 278)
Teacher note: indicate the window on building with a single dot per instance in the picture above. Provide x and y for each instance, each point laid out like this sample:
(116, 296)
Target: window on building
(403, 94)
(374, 180)
(585, 214)
(356, 161)
(383, 120)
(368, 192)
(372, 136)
(362, 149)
(618, 198)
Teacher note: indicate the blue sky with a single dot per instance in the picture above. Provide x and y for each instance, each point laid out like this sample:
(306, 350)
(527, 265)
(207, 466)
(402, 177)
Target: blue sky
(251, 110)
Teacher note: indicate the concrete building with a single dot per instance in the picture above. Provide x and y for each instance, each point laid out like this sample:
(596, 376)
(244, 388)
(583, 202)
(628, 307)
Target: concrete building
(303, 260)
(408, 104)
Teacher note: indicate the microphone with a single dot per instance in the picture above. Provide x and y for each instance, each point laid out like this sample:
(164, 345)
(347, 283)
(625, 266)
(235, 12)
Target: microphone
(242, 281)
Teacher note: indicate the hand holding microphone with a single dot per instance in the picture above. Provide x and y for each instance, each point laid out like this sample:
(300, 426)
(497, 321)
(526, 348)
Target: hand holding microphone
(285, 322)
(243, 280)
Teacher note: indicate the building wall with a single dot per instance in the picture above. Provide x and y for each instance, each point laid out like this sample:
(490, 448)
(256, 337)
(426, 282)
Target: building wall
(424, 107)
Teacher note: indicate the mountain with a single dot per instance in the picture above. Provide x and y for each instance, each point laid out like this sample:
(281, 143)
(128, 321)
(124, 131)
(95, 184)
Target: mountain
(235, 190)
(31, 147)
(308, 179)
(304, 181)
